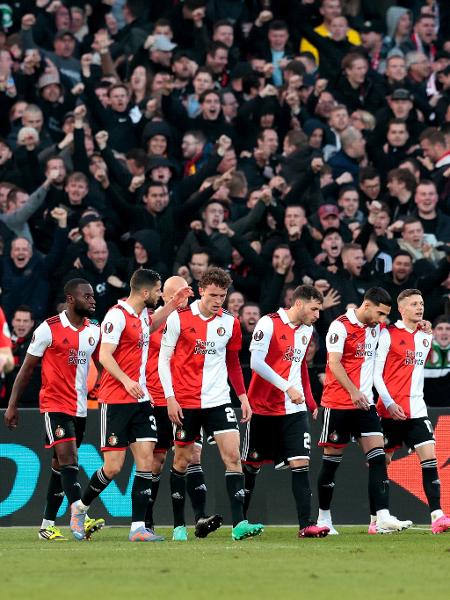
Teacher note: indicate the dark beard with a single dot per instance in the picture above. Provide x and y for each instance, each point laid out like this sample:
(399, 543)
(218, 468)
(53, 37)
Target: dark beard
(83, 312)
(150, 303)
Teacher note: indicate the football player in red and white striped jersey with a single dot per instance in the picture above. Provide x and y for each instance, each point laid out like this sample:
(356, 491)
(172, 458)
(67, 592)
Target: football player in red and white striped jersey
(126, 410)
(349, 408)
(195, 479)
(279, 392)
(65, 343)
(199, 352)
(399, 377)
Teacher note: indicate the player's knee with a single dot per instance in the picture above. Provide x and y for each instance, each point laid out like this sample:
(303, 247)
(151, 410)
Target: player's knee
(388, 459)
(181, 461)
(196, 455)
(67, 458)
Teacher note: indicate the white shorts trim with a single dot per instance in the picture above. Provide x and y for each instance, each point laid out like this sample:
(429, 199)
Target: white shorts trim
(372, 433)
(146, 439)
(424, 443)
(225, 431)
(48, 428)
(298, 458)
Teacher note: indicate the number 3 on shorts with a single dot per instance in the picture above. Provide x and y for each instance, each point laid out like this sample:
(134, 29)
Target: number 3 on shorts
(307, 441)
(231, 415)
(152, 422)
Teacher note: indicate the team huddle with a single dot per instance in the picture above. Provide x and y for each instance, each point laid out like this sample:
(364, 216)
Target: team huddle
(163, 382)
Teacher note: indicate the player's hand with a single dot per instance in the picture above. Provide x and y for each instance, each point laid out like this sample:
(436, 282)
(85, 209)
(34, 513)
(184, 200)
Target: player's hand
(360, 400)
(101, 138)
(11, 417)
(425, 326)
(180, 296)
(133, 388)
(396, 412)
(246, 408)
(295, 396)
(315, 414)
(175, 411)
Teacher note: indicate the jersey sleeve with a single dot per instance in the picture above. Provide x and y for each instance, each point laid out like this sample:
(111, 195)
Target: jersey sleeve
(5, 335)
(384, 343)
(235, 341)
(262, 335)
(41, 340)
(112, 326)
(171, 331)
(336, 336)
(259, 347)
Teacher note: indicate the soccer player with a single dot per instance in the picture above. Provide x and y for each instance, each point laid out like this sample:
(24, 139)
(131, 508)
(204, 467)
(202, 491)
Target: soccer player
(349, 408)
(195, 480)
(199, 351)
(65, 343)
(399, 376)
(126, 411)
(279, 429)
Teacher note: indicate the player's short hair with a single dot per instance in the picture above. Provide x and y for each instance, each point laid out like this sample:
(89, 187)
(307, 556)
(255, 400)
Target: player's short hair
(72, 285)
(307, 293)
(215, 276)
(378, 295)
(407, 294)
(143, 278)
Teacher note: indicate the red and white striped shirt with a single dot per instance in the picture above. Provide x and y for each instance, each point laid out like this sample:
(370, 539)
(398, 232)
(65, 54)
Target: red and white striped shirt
(283, 347)
(399, 369)
(192, 361)
(357, 344)
(153, 382)
(5, 335)
(130, 332)
(66, 353)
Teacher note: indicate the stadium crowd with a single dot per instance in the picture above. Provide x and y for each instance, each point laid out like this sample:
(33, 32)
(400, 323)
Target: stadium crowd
(292, 141)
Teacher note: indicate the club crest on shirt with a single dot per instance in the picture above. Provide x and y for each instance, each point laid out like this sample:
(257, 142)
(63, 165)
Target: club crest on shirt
(165, 328)
(146, 321)
(59, 432)
(181, 434)
(304, 340)
(373, 333)
(426, 343)
(258, 335)
(113, 440)
(33, 338)
(221, 331)
(108, 327)
(334, 338)
(91, 341)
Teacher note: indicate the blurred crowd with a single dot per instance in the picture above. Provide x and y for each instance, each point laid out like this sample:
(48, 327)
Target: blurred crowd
(286, 141)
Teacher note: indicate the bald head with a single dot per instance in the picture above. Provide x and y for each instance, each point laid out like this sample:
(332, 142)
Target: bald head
(171, 286)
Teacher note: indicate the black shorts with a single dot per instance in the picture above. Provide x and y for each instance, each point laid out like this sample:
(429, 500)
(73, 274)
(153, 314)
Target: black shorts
(277, 439)
(215, 420)
(60, 427)
(339, 425)
(124, 424)
(412, 432)
(165, 429)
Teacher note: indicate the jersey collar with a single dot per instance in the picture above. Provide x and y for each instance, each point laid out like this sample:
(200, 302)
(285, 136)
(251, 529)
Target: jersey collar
(130, 310)
(196, 311)
(66, 323)
(351, 316)
(285, 319)
(400, 325)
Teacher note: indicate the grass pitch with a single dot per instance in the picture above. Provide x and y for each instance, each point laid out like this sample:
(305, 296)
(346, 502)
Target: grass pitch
(410, 565)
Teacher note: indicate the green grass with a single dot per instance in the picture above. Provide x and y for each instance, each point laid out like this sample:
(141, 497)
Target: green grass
(276, 566)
